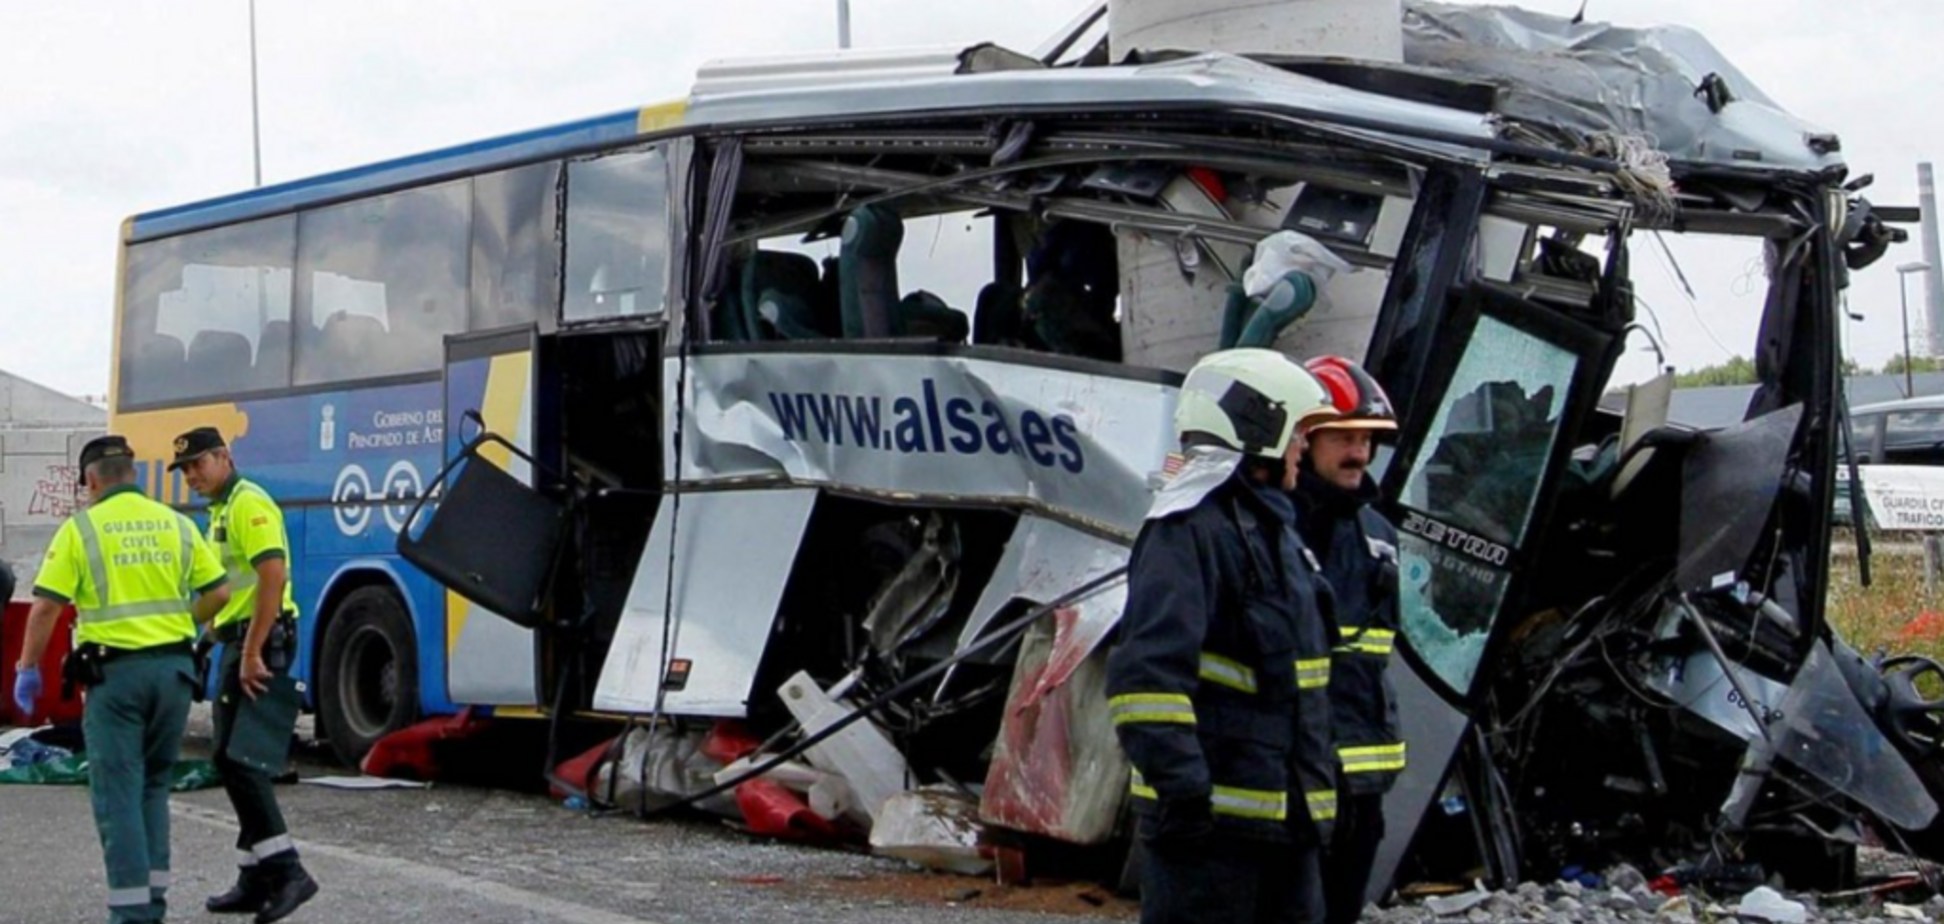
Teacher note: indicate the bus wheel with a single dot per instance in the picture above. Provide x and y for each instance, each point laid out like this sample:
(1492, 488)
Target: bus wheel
(368, 677)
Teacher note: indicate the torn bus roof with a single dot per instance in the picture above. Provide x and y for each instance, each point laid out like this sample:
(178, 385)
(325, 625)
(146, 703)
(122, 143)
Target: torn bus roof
(1204, 82)
(1667, 84)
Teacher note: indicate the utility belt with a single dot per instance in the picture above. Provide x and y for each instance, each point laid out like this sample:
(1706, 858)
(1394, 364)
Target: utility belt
(86, 664)
(281, 632)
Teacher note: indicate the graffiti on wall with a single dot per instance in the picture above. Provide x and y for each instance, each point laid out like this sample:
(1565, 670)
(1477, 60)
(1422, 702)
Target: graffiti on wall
(56, 493)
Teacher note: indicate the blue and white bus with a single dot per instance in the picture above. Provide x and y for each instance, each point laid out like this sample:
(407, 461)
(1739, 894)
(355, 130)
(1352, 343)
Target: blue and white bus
(825, 371)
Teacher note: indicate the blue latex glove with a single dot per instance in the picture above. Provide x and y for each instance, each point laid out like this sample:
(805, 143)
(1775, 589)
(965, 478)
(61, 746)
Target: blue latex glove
(27, 691)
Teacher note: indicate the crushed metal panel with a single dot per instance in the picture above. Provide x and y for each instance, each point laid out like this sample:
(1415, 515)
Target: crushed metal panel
(734, 552)
(1434, 728)
(1730, 482)
(920, 426)
(1042, 560)
(1057, 769)
(1598, 77)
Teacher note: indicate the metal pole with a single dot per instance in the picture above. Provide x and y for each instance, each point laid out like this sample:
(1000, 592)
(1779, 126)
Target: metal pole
(843, 23)
(1903, 292)
(256, 134)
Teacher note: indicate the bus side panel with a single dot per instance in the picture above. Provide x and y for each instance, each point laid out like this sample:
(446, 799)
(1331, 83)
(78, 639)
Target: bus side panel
(335, 557)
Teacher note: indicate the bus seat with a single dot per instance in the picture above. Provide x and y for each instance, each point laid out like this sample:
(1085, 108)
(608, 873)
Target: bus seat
(995, 318)
(159, 368)
(868, 272)
(923, 314)
(779, 291)
(1064, 319)
(220, 361)
(1073, 287)
(726, 317)
(829, 305)
(273, 356)
(354, 343)
(1287, 300)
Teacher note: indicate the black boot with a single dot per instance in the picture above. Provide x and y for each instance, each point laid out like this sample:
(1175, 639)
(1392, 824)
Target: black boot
(245, 897)
(293, 890)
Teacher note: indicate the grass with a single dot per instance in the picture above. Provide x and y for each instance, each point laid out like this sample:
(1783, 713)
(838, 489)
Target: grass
(1896, 614)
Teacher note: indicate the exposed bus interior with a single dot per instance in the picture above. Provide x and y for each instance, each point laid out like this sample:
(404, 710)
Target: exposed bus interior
(1046, 196)
(611, 441)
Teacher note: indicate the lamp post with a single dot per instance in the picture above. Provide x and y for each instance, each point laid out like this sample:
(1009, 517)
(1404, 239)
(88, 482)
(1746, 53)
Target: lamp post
(1903, 292)
(256, 133)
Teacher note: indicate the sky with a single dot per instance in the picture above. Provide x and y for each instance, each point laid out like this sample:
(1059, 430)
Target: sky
(117, 107)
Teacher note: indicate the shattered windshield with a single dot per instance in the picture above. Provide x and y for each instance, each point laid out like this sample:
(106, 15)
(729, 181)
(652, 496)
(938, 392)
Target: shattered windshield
(1471, 497)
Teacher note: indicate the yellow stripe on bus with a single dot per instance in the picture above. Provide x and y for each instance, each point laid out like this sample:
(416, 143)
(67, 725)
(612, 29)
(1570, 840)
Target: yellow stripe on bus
(660, 116)
(508, 383)
(152, 435)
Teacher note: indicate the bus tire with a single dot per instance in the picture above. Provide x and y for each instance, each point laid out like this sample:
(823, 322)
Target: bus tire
(368, 675)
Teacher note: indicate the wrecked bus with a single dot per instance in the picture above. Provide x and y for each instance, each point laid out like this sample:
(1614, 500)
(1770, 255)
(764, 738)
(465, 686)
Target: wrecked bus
(800, 388)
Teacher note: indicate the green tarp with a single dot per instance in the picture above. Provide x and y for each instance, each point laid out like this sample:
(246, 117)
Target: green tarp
(189, 775)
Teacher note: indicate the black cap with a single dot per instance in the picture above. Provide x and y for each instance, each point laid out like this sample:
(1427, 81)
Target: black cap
(192, 445)
(99, 448)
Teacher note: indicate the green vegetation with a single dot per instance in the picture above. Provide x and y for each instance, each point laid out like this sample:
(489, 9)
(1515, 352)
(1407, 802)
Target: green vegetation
(1894, 614)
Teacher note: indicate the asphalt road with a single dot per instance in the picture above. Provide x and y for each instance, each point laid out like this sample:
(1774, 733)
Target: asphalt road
(457, 854)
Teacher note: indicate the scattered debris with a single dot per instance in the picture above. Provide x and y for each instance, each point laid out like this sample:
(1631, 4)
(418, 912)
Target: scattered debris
(362, 782)
(933, 827)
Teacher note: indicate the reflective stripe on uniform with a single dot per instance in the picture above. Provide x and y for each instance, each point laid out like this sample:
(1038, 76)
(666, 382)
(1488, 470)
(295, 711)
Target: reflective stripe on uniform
(1312, 673)
(270, 847)
(98, 571)
(1372, 758)
(1378, 642)
(1228, 672)
(1322, 804)
(1233, 801)
(123, 898)
(1152, 707)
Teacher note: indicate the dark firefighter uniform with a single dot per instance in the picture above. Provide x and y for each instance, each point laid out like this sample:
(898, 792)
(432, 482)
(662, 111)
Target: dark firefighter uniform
(1218, 690)
(128, 564)
(1358, 548)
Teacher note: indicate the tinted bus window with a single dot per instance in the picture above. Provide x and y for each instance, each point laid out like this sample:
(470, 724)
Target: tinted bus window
(380, 282)
(515, 257)
(617, 237)
(207, 314)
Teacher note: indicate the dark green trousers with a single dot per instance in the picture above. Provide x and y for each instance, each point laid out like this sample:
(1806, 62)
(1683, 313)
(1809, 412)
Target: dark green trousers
(262, 836)
(133, 723)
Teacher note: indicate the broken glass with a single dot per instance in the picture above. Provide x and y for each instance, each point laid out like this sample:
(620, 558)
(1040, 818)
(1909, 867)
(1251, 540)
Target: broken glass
(1471, 498)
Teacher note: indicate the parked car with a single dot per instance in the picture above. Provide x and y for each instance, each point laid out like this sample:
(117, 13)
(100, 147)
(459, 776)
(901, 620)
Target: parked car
(1908, 431)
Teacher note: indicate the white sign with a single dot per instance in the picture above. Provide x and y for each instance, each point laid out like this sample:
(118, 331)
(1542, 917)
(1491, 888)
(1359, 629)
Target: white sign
(939, 427)
(1903, 497)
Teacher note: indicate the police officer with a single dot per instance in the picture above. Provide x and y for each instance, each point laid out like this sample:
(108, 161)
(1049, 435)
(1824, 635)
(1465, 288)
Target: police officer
(128, 564)
(258, 632)
(1217, 685)
(1358, 547)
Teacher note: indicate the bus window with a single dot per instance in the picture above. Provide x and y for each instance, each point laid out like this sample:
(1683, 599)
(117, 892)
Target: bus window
(513, 253)
(617, 237)
(208, 313)
(380, 283)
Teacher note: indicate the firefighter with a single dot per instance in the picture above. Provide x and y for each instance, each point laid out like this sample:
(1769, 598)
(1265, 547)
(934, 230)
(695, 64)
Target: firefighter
(127, 564)
(1358, 547)
(256, 699)
(1217, 684)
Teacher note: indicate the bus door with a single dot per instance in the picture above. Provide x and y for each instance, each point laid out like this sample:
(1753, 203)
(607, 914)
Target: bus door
(490, 660)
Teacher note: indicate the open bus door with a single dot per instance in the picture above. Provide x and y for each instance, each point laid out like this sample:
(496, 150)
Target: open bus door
(492, 377)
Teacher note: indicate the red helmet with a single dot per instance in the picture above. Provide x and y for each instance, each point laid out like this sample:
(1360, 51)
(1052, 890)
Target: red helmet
(1357, 396)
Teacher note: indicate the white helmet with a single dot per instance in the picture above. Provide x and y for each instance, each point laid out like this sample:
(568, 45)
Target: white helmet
(1249, 400)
